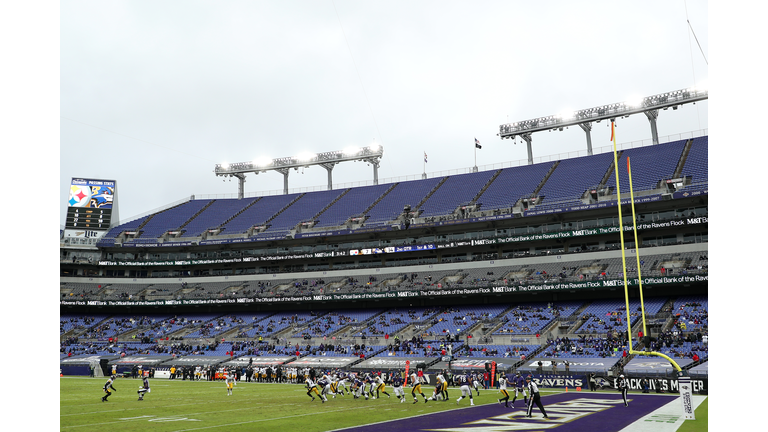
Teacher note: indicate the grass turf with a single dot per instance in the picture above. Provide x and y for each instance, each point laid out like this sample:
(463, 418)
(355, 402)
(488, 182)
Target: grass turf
(176, 405)
(701, 423)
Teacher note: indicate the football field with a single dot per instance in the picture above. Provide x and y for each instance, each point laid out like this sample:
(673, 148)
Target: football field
(176, 405)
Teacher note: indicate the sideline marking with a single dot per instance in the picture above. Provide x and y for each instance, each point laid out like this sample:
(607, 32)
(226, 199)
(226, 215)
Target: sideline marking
(664, 419)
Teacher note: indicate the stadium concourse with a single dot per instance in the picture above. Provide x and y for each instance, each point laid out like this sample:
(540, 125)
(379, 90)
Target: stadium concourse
(511, 270)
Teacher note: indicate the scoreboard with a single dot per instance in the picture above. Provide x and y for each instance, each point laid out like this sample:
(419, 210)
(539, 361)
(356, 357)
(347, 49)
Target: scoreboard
(90, 204)
(88, 218)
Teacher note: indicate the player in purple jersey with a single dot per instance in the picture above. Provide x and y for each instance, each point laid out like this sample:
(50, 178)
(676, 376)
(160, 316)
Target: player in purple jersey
(464, 381)
(143, 389)
(519, 383)
(397, 383)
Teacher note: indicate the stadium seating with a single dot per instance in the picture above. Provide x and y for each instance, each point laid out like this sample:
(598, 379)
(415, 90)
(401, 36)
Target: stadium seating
(304, 209)
(457, 190)
(333, 322)
(353, 203)
(513, 184)
(456, 320)
(697, 162)
(649, 166)
(170, 219)
(406, 193)
(564, 188)
(532, 318)
(258, 214)
(572, 178)
(215, 215)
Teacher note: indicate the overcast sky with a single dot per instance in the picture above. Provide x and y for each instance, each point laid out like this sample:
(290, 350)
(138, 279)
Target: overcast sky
(154, 94)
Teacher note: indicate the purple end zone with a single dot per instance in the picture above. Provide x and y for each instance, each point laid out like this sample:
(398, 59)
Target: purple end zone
(571, 412)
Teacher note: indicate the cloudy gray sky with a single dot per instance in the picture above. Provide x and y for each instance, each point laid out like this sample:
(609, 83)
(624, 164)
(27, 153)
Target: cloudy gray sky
(154, 94)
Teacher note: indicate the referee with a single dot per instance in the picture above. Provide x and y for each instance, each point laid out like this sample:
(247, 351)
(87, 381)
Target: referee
(623, 388)
(533, 390)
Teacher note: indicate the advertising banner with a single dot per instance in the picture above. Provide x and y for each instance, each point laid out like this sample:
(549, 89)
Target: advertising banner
(613, 283)
(377, 363)
(322, 362)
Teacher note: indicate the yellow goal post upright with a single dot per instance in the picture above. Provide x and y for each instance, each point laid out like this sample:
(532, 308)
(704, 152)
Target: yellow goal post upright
(637, 254)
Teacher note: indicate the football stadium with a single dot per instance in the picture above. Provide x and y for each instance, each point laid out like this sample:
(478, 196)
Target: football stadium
(565, 290)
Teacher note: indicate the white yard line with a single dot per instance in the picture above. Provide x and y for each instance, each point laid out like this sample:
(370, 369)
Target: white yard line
(668, 418)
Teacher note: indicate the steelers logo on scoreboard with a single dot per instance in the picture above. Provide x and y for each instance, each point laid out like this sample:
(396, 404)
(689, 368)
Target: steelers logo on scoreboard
(79, 196)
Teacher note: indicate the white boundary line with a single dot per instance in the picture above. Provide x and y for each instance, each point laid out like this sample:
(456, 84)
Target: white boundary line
(672, 409)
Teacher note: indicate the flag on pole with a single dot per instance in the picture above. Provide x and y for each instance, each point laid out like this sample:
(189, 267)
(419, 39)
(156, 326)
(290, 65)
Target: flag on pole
(613, 134)
(477, 144)
(425, 157)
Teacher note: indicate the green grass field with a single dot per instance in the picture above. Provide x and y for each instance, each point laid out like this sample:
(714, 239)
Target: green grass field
(176, 405)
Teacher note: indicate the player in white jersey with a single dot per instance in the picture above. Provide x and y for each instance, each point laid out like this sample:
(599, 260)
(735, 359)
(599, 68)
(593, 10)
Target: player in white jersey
(230, 381)
(503, 390)
(465, 390)
(378, 384)
(444, 388)
(108, 387)
(311, 388)
(328, 386)
(438, 394)
(416, 387)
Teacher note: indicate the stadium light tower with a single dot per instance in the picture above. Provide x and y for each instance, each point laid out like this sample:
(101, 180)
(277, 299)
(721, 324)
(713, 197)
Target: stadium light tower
(649, 106)
(371, 154)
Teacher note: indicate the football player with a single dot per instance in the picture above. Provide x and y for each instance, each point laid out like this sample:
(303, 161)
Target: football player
(444, 389)
(476, 382)
(341, 385)
(108, 387)
(230, 381)
(397, 383)
(437, 394)
(416, 387)
(311, 388)
(356, 387)
(325, 387)
(143, 389)
(378, 383)
(519, 384)
(464, 386)
(503, 390)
